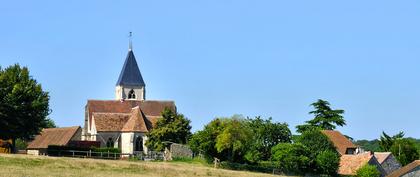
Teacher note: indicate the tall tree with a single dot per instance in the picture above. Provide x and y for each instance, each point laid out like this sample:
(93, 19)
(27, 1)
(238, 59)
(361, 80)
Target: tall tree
(387, 141)
(325, 118)
(24, 105)
(171, 127)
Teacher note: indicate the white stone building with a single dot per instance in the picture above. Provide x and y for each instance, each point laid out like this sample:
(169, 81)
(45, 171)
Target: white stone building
(123, 123)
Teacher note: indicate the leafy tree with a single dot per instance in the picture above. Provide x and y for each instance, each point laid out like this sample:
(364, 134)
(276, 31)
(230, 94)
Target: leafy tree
(50, 123)
(405, 151)
(24, 105)
(291, 158)
(387, 141)
(234, 139)
(368, 171)
(266, 134)
(367, 145)
(325, 118)
(171, 127)
(328, 162)
(317, 143)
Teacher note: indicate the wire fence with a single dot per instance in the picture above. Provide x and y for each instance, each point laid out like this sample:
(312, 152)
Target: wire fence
(140, 155)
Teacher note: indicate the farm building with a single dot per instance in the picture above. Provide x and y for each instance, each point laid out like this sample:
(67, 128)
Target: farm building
(388, 161)
(53, 136)
(410, 170)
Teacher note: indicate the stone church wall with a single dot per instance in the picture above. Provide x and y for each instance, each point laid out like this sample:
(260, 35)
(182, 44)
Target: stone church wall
(179, 150)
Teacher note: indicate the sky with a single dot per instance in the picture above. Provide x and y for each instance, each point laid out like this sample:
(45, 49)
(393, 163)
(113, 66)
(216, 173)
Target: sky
(218, 58)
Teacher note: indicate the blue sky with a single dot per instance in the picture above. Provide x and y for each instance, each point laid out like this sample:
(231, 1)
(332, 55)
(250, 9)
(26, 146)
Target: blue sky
(225, 57)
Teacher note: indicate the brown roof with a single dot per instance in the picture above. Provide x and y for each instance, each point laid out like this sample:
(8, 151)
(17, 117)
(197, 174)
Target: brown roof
(148, 107)
(341, 142)
(349, 164)
(406, 169)
(110, 121)
(53, 136)
(382, 156)
(136, 122)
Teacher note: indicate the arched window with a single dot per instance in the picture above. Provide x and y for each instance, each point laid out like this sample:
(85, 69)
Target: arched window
(110, 143)
(138, 146)
(131, 94)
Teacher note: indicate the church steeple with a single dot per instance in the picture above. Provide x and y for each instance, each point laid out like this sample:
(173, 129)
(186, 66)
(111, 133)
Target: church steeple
(130, 84)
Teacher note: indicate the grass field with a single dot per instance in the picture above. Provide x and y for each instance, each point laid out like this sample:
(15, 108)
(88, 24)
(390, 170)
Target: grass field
(33, 166)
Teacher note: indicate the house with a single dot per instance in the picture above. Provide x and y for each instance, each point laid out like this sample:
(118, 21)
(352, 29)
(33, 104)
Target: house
(53, 136)
(388, 161)
(342, 143)
(124, 122)
(410, 170)
(350, 163)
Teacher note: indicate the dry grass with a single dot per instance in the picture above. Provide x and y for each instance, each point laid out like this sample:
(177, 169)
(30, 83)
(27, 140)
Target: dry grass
(33, 166)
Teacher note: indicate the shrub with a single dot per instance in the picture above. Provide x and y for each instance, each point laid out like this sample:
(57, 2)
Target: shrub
(368, 171)
(328, 162)
(291, 158)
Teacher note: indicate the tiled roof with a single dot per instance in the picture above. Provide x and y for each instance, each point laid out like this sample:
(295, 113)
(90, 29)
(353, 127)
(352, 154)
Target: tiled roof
(382, 156)
(341, 142)
(349, 164)
(406, 169)
(110, 121)
(53, 136)
(150, 109)
(130, 74)
(136, 123)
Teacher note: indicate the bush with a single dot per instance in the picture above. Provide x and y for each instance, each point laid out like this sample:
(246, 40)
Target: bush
(291, 158)
(328, 162)
(264, 168)
(368, 171)
(405, 151)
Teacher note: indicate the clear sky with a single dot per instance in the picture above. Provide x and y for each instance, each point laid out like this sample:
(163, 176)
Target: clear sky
(223, 57)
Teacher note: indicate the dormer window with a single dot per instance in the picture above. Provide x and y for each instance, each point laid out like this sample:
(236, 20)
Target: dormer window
(131, 94)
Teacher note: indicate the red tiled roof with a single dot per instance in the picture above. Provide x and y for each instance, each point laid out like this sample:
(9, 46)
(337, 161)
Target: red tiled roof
(136, 122)
(148, 108)
(382, 156)
(53, 136)
(406, 169)
(349, 164)
(341, 142)
(110, 121)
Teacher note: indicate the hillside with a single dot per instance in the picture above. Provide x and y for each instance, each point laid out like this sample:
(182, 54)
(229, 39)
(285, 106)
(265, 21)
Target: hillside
(32, 166)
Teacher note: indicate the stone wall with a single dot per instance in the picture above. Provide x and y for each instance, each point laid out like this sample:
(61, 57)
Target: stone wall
(390, 164)
(179, 150)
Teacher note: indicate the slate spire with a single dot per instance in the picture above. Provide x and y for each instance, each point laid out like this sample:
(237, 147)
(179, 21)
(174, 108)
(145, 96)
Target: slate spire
(130, 74)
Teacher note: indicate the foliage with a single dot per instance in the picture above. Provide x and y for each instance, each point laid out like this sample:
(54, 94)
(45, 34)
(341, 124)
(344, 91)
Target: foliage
(316, 142)
(266, 134)
(262, 167)
(367, 145)
(21, 144)
(50, 123)
(328, 162)
(234, 139)
(24, 105)
(405, 151)
(171, 127)
(325, 118)
(387, 141)
(368, 171)
(291, 158)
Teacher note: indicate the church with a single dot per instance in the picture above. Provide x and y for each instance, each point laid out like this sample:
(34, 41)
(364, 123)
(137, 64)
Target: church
(124, 122)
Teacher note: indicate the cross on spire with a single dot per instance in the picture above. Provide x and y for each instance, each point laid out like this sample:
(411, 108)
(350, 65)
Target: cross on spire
(130, 37)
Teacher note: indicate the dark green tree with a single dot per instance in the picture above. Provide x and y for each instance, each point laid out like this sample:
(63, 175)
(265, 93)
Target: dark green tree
(266, 134)
(387, 141)
(172, 127)
(24, 105)
(291, 158)
(405, 151)
(317, 143)
(325, 118)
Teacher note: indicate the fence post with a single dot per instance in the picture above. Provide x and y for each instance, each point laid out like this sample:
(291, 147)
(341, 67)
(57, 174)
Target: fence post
(73, 153)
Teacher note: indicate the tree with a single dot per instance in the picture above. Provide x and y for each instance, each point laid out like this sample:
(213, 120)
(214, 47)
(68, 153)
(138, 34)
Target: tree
(328, 162)
(172, 127)
(325, 118)
(405, 151)
(368, 171)
(387, 141)
(24, 105)
(291, 158)
(266, 134)
(317, 143)
(50, 123)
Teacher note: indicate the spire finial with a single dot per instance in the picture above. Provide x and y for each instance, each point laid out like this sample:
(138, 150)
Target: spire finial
(130, 45)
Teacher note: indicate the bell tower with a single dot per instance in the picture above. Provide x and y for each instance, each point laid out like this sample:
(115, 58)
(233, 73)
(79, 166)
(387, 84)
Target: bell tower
(130, 84)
